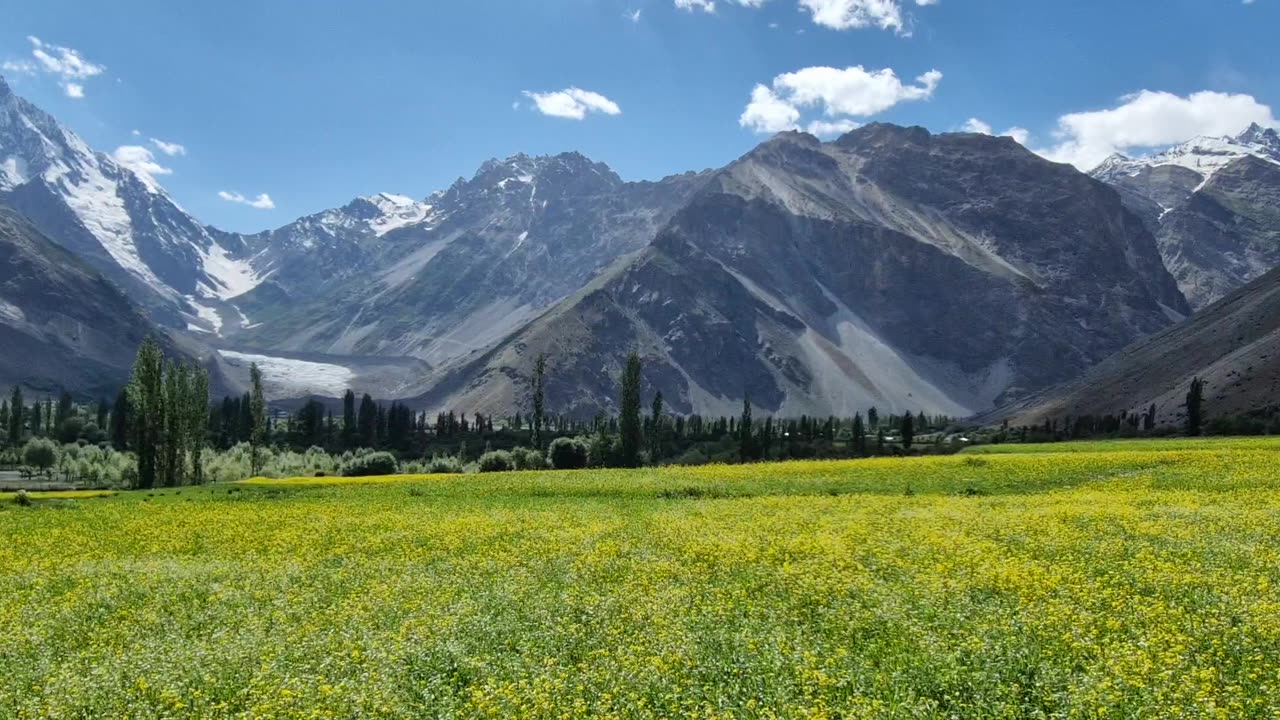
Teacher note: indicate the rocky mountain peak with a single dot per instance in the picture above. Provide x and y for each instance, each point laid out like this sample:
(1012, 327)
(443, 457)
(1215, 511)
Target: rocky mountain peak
(1265, 139)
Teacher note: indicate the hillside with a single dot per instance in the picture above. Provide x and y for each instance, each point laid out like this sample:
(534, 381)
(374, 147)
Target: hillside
(1233, 345)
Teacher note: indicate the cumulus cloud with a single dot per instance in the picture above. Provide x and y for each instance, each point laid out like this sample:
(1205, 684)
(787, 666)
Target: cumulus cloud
(855, 14)
(169, 148)
(140, 160)
(572, 103)
(708, 6)
(633, 16)
(1150, 119)
(67, 64)
(262, 202)
(974, 125)
(839, 94)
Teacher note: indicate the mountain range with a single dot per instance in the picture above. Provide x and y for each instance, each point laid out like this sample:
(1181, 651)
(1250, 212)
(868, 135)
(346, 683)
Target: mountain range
(1213, 204)
(949, 273)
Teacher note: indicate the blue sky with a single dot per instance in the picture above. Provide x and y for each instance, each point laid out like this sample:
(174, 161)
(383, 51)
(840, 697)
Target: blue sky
(315, 103)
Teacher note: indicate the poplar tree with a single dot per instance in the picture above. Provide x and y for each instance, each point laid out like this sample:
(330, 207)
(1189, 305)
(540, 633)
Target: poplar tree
(746, 441)
(120, 421)
(629, 426)
(655, 429)
(908, 430)
(539, 399)
(1195, 403)
(258, 419)
(348, 418)
(197, 415)
(17, 408)
(146, 400)
(859, 433)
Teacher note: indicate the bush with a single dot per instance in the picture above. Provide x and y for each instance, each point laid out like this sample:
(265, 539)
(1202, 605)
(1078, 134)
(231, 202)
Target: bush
(444, 465)
(528, 459)
(22, 498)
(568, 453)
(377, 463)
(40, 454)
(496, 461)
(600, 450)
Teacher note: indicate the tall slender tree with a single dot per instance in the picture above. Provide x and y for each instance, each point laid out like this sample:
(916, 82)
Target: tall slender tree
(908, 430)
(656, 429)
(859, 435)
(120, 421)
(17, 408)
(630, 431)
(1195, 406)
(197, 411)
(258, 415)
(348, 419)
(146, 401)
(539, 399)
(746, 437)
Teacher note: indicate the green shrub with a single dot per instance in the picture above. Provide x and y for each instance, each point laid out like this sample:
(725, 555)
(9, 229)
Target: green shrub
(22, 498)
(377, 463)
(528, 459)
(445, 465)
(496, 461)
(568, 453)
(600, 450)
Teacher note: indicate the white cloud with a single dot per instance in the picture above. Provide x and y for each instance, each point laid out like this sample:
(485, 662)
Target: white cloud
(766, 113)
(20, 67)
(169, 148)
(135, 133)
(633, 16)
(854, 14)
(974, 125)
(572, 103)
(140, 160)
(262, 202)
(1149, 119)
(68, 64)
(828, 128)
(834, 14)
(839, 94)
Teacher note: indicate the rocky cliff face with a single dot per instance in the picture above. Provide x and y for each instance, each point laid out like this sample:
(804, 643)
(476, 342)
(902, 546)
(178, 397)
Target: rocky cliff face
(1211, 203)
(62, 324)
(891, 268)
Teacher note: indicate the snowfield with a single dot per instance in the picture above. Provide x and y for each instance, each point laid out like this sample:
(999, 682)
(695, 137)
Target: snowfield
(288, 378)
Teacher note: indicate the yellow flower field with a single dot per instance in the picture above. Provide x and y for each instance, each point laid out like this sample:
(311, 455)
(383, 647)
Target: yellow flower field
(1138, 580)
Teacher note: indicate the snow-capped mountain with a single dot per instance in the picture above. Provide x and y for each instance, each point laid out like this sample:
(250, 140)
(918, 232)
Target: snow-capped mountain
(457, 272)
(1210, 203)
(121, 222)
(1202, 155)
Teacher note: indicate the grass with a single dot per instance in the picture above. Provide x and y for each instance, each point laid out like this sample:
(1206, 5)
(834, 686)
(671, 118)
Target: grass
(1132, 579)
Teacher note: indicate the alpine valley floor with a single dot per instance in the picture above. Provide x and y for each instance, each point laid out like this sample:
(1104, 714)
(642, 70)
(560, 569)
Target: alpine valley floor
(1128, 579)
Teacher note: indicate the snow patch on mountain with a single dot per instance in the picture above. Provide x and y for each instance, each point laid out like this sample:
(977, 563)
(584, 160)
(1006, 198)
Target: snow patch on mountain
(1205, 155)
(232, 277)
